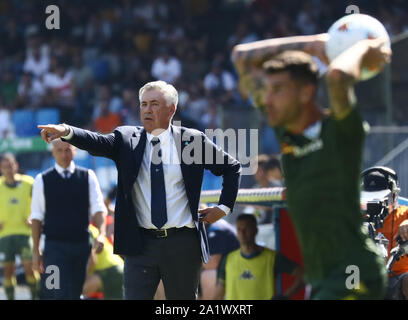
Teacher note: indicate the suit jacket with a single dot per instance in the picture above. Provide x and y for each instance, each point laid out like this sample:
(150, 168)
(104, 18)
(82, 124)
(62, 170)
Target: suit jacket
(126, 145)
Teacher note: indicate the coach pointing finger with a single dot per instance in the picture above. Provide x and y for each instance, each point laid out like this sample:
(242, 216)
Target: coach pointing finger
(157, 226)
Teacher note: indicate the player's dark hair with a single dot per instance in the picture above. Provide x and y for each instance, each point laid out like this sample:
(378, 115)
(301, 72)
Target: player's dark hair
(248, 218)
(263, 160)
(300, 65)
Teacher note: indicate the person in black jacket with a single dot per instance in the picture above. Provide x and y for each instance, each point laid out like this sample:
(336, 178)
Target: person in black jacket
(157, 225)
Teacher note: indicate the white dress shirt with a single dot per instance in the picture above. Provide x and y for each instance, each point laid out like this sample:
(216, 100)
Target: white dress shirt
(178, 210)
(38, 200)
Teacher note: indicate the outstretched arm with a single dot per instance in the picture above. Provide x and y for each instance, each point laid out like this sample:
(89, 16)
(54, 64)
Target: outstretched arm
(103, 145)
(248, 59)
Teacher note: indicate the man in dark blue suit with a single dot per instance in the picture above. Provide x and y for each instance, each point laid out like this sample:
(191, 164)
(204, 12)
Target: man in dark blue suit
(160, 171)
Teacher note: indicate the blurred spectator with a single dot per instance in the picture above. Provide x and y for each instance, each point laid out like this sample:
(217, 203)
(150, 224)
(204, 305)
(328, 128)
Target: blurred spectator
(194, 66)
(250, 272)
(283, 27)
(211, 119)
(261, 175)
(97, 31)
(107, 121)
(131, 64)
(151, 13)
(30, 92)
(12, 38)
(34, 41)
(130, 110)
(306, 21)
(8, 88)
(197, 104)
(220, 83)
(170, 33)
(60, 89)
(274, 172)
(37, 61)
(5, 122)
(269, 173)
(241, 35)
(105, 94)
(166, 67)
(81, 74)
(222, 239)
(124, 13)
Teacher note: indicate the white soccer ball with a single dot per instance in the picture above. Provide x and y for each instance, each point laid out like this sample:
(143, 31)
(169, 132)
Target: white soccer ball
(350, 29)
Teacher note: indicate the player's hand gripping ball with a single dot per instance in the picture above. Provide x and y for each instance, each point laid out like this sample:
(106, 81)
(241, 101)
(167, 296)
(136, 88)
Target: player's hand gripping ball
(350, 29)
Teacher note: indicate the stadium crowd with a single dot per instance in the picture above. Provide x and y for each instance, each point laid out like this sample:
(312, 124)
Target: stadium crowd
(92, 67)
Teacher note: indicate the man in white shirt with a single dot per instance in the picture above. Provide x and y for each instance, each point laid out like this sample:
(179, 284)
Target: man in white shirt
(166, 67)
(63, 199)
(157, 224)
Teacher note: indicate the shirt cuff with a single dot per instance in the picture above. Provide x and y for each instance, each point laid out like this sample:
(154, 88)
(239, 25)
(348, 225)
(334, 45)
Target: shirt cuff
(37, 216)
(69, 135)
(224, 208)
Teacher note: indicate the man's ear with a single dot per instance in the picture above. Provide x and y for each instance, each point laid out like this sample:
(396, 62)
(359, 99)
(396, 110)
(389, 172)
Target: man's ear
(307, 93)
(173, 110)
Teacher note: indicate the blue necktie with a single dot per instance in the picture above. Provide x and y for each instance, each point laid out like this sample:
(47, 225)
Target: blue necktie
(66, 174)
(158, 191)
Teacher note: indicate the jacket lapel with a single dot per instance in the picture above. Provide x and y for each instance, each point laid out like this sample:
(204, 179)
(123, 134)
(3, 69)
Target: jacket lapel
(138, 145)
(185, 169)
(177, 135)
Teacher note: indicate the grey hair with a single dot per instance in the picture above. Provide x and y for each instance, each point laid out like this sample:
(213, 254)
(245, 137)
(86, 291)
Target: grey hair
(169, 92)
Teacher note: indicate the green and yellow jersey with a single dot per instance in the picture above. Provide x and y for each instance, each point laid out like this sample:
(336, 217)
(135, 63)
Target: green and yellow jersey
(253, 277)
(322, 173)
(105, 259)
(15, 206)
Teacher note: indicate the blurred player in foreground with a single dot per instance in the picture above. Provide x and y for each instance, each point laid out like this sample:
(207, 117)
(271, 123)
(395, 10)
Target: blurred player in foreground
(321, 154)
(15, 230)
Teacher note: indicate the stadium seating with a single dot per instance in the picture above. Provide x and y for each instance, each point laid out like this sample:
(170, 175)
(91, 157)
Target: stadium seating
(47, 116)
(24, 122)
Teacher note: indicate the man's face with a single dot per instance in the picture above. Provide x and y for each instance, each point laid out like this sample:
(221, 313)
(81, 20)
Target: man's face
(63, 153)
(8, 168)
(260, 174)
(246, 232)
(155, 114)
(282, 99)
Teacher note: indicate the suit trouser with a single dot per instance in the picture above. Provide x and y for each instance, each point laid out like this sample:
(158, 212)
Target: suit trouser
(66, 264)
(175, 259)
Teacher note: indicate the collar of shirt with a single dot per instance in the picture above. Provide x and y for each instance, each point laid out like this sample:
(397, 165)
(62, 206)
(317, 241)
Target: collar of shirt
(313, 131)
(60, 170)
(164, 137)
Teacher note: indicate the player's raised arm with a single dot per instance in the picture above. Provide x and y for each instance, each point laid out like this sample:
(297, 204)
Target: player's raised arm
(344, 72)
(248, 59)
